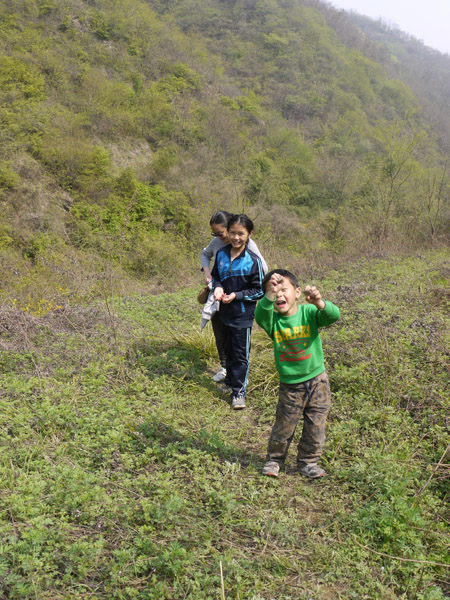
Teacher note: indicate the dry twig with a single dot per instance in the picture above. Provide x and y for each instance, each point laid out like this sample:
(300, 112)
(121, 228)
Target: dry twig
(434, 471)
(400, 558)
(222, 582)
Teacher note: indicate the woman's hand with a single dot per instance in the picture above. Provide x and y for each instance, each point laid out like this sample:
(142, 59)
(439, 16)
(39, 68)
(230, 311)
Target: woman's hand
(227, 298)
(218, 294)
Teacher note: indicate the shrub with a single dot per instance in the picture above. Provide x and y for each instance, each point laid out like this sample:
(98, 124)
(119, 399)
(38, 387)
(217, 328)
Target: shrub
(77, 164)
(9, 179)
(159, 256)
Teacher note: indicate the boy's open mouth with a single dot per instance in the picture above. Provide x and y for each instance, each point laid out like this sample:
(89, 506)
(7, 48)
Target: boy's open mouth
(281, 303)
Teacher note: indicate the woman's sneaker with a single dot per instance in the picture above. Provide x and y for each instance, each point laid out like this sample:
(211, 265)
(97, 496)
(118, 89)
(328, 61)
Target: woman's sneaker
(271, 468)
(237, 402)
(311, 470)
(220, 375)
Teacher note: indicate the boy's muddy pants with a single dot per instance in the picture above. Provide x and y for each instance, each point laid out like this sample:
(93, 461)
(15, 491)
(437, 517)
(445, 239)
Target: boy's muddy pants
(310, 399)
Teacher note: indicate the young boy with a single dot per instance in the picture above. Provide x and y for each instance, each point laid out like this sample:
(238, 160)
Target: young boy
(304, 387)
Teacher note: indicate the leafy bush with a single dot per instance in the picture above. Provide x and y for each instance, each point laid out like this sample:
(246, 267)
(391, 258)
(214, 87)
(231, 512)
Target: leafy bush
(9, 179)
(77, 165)
(19, 79)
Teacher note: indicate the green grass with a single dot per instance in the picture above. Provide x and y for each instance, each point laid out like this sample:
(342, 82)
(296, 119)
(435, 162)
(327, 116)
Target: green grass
(124, 473)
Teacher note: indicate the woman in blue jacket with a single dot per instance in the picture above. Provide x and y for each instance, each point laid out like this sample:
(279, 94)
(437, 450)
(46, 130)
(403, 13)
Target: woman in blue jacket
(237, 282)
(218, 224)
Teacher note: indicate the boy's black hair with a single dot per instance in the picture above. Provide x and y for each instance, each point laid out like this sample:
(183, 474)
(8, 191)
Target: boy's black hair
(244, 220)
(292, 278)
(221, 217)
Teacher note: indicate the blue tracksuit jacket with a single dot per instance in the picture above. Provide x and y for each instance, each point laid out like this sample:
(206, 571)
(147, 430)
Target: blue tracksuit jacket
(243, 276)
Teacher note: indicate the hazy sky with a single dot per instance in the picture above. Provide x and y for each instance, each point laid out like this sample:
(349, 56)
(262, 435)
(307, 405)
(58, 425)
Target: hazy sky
(426, 20)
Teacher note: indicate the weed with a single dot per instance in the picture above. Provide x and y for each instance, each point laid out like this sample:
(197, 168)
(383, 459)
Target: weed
(125, 474)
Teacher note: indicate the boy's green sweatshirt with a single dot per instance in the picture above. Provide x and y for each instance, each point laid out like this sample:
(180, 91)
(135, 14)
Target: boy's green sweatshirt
(296, 340)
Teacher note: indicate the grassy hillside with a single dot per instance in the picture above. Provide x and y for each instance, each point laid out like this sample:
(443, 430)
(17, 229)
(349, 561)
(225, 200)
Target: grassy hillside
(124, 125)
(125, 474)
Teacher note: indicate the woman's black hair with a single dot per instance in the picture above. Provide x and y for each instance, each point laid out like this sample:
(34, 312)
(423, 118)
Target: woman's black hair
(242, 220)
(221, 217)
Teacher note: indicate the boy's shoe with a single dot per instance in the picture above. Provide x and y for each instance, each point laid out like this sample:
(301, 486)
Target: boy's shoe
(271, 468)
(311, 470)
(237, 402)
(220, 375)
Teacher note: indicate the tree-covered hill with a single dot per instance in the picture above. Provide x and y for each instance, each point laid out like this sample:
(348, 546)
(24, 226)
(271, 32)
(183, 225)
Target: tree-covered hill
(125, 124)
(425, 70)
